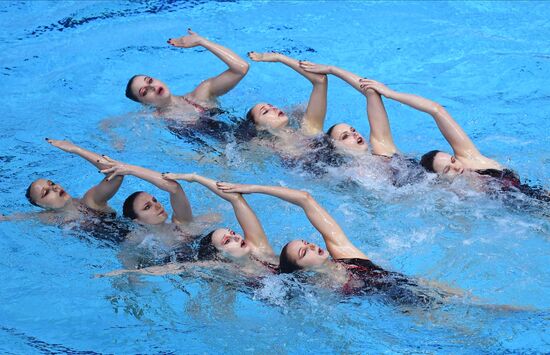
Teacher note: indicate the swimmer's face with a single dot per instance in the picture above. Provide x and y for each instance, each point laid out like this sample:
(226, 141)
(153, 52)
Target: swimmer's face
(306, 255)
(47, 194)
(150, 91)
(447, 165)
(347, 138)
(148, 210)
(230, 243)
(266, 115)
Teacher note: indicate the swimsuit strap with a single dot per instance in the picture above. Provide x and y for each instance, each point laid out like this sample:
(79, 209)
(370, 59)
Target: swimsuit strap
(199, 108)
(272, 267)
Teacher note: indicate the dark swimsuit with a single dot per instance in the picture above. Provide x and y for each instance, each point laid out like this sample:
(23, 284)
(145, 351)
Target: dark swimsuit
(317, 157)
(507, 180)
(405, 170)
(366, 278)
(99, 225)
(205, 125)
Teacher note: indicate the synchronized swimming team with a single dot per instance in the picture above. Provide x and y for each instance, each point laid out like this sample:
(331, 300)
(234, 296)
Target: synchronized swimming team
(350, 269)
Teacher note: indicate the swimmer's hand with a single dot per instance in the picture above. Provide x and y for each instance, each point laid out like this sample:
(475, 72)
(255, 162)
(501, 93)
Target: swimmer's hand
(380, 88)
(63, 145)
(191, 40)
(264, 57)
(114, 168)
(315, 68)
(235, 188)
(185, 177)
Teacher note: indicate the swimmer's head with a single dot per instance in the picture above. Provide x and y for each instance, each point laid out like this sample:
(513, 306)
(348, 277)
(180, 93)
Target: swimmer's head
(47, 194)
(345, 137)
(148, 91)
(442, 164)
(144, 208)
(267, 116)
(223, 241)
(299, 254)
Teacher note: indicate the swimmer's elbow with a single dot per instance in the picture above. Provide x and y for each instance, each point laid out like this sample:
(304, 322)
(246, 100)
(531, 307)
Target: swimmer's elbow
(306, 198)
(436, 109)
(320, 80)
(172, 186)
(242, 68)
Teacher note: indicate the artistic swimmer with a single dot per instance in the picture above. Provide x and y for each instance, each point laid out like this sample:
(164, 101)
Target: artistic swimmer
(154, 241)
(153, 92)
(59, 204)
(466, 159)
(350, 268)
(253, 252)
(267, 117)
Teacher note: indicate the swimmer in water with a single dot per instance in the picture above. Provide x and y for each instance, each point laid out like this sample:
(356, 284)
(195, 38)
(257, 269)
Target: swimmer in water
(350, 269)
(153, 92)
(346, 137)
(155, 241)
(466, 159)
(267, 117)
(252, 251)
(58, 203)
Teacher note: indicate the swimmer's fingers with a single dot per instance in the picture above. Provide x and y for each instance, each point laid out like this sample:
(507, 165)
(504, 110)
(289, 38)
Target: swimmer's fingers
(232, 188)
(225, 186)
(191, 40)
(314, 68)
(109, 159)
(63, 145)
(263, 57)
(174, 176)
(170, 176)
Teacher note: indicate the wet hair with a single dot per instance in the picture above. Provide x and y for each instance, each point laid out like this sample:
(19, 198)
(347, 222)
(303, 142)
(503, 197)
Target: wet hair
(250, 115)
(329, 131)
(318, 157)
(129, 93)
(207, 250)
(245, 130)
(287, 266)
(128, 210)
(427, 160)
(28, 195)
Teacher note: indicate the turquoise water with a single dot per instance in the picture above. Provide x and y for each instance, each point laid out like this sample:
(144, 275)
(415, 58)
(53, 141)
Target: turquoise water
(64, 70)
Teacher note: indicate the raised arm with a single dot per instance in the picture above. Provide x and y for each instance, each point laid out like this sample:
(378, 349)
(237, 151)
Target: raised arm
(69, 147)
(252, 228)
(338, 244)
(380, 132)
(216, 86)
(454, 134)
(316, 111)
(178, 198)
(98, 196)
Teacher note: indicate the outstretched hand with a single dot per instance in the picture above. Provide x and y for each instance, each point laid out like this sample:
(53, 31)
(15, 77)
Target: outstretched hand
(191, 40)
(374, 85)
(66, 146)
(113, 168)
(263, 57)
(234, 188)
(174, 176)
(315, 68)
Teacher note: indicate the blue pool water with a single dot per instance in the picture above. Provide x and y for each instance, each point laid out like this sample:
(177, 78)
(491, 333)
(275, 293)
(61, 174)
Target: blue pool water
(64, 70)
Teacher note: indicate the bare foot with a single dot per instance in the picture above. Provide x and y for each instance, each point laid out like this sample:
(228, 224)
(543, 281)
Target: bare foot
(264, 57)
